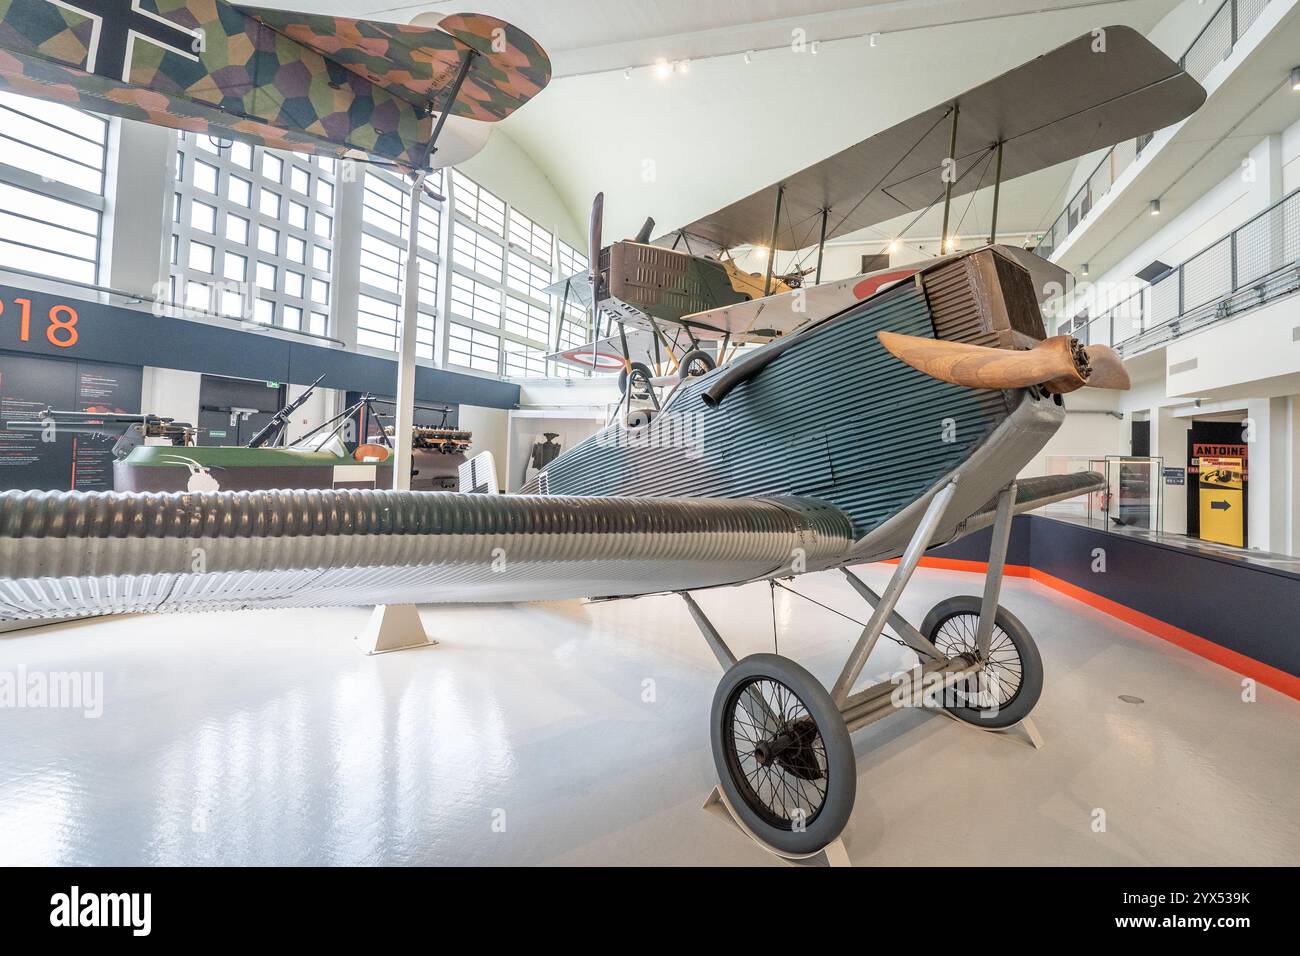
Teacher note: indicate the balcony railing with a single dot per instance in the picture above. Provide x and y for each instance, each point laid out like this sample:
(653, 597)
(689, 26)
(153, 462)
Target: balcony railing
(1212, 46)
(1252, 265)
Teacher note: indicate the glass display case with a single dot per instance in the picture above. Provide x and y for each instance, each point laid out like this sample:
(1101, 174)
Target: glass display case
(1081, 506)
(1134, 493)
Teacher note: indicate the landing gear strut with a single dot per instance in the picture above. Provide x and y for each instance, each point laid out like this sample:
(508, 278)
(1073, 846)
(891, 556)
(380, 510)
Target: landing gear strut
(780, 739)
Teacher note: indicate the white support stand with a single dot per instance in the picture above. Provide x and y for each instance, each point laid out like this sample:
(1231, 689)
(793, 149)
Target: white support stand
(833, 853)
(393, 627)
(1026, 725)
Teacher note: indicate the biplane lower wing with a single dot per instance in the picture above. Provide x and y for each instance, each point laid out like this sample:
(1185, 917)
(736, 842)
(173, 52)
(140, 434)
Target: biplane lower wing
(70, 554)
(606, 354)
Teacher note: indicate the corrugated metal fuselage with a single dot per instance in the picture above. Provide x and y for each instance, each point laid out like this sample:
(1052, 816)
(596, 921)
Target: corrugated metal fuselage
(823, 458)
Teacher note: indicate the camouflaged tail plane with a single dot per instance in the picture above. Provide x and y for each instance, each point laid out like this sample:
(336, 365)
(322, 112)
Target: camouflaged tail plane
(295, 81)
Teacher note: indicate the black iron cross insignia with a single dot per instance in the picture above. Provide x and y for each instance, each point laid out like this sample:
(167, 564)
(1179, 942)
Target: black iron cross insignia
(117, 25)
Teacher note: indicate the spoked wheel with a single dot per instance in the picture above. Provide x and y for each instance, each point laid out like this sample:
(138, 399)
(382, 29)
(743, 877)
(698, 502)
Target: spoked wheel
(637, 378)
(695, 363)
(783, 754)
(1009, 686)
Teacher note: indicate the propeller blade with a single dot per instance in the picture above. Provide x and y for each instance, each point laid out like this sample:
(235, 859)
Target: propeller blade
(1059, 364)
(1107, 368)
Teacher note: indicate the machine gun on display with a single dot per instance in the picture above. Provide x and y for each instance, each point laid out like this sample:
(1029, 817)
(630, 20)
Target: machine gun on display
(272, 430)
(136, 429)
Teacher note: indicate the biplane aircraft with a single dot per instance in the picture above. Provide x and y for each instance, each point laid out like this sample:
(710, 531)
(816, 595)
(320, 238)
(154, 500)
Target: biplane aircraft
(917, 397)
(295, 81)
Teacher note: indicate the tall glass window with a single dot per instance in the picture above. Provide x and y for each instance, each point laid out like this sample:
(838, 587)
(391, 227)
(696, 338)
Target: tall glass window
(253, 233)
(52, 161)
(385, 215)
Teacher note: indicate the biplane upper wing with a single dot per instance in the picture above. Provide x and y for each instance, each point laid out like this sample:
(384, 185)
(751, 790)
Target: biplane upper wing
(357, 89)
(1103, 88)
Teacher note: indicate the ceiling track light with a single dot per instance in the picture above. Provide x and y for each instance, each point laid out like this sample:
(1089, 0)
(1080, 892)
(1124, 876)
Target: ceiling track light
(1084, 270)
(749, 56)
(1154, 207)
(1295, 78)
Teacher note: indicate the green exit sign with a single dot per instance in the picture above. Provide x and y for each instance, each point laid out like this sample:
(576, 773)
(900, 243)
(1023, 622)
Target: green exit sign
(272, 384)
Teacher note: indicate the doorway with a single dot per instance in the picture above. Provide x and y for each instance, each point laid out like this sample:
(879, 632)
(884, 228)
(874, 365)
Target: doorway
(233, 410)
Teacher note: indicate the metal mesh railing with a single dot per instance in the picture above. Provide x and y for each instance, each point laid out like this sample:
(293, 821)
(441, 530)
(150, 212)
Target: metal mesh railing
(1253, 264)
(1211, 47)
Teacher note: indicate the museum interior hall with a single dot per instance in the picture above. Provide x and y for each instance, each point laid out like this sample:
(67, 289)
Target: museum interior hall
(785, 433)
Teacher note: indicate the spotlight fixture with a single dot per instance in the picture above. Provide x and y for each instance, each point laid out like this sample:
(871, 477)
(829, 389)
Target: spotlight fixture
(893, 246)
(663, 69)
(1154, 207)
(814, 47)
(1083, 270)
(759, 251)
(684, 66)
(1295, 78)
(627, 74)
(749, 56)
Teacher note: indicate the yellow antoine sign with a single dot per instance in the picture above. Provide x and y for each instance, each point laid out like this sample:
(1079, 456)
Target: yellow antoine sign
(1222, 507)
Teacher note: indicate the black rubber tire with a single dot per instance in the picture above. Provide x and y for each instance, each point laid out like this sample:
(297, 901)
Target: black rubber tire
(691, 357)
(1026, 696)
(840, 772)
(624, 375)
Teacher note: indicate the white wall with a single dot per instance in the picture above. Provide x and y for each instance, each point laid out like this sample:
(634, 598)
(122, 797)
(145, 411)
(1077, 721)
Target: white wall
(320, 407)
(171, 393)
(1090, 430)
(490, 427)
(527, 427)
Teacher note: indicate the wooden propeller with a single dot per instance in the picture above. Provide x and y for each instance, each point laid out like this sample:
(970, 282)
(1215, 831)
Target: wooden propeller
(1059, 364)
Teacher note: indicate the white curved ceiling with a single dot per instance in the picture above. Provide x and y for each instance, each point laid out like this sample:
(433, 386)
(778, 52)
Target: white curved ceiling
(678, 147)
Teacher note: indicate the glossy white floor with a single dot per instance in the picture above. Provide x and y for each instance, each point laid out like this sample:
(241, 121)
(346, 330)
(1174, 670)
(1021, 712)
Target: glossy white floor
(568, 733)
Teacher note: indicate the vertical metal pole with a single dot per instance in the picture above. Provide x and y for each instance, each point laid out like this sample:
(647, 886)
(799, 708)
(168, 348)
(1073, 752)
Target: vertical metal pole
(947, 190)
(771, 248)
(404, 423)
(921, 538)
(997, 563)
(821, 246)
(997, 192)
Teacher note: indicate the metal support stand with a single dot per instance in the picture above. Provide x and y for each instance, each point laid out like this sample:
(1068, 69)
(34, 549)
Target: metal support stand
(403, 426)
(1033, 736)
(393, 627)
(833, 854)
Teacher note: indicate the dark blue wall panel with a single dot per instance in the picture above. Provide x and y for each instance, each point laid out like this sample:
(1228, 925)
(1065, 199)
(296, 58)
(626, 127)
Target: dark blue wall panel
(1243, 606)
(109, 333)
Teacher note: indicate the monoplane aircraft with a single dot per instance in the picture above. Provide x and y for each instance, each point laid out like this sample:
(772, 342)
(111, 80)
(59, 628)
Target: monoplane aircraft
(894, 416)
